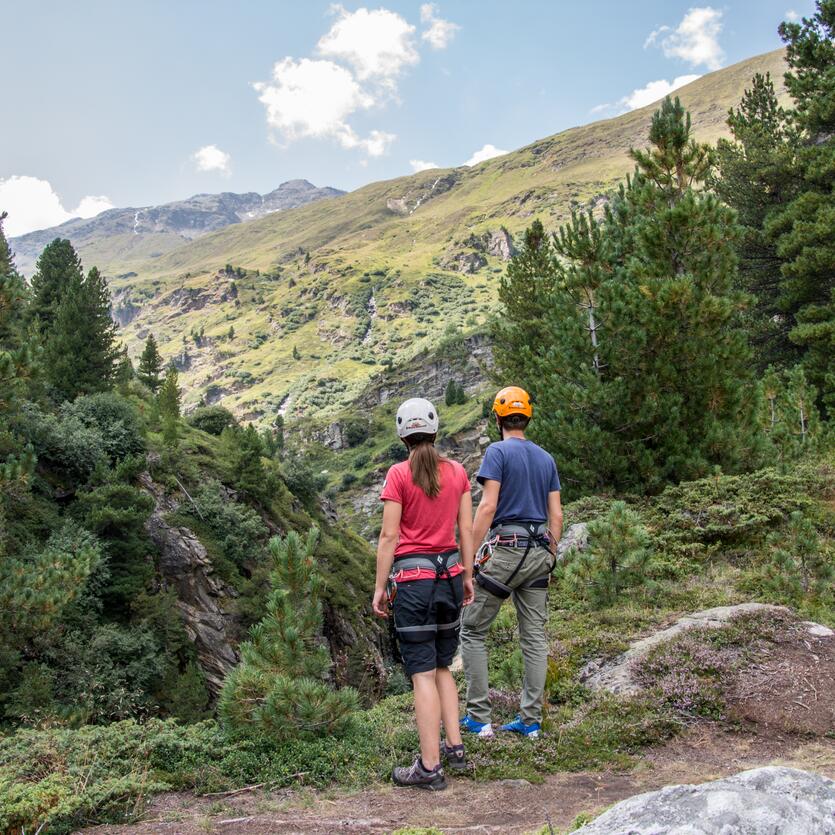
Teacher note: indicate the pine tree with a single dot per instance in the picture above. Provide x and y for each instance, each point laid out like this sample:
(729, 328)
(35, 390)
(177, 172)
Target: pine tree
(790, 414)
(798, 564)
(150, 365)
(756, 174)
(169, 406)
(617, 558)
(454, 394)
(296, 354)
(640, 369)
(16, 368)
(778, 175)
(279, 689)
(80, 349)
(57, 268)
(528, 280)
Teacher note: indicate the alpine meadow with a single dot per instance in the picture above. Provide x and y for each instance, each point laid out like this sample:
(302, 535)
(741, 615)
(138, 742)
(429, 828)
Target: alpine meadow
(202, 401)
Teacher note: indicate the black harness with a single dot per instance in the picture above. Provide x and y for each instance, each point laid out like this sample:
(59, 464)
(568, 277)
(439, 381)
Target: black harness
(533, 535)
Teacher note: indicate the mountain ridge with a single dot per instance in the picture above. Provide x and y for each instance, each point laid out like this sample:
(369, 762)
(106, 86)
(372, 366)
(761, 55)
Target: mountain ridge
(169, 224)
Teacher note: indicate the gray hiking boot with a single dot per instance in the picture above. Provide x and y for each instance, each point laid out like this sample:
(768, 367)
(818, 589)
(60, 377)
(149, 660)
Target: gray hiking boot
(454, 757)
(416, 775)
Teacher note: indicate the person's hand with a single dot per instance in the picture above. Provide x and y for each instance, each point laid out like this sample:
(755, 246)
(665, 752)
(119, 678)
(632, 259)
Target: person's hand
(469, 591)
(379, 603)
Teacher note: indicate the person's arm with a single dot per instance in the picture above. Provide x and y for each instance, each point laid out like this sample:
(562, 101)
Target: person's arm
(389, 534)
(465, 543)
(486, 510)
(555, 517)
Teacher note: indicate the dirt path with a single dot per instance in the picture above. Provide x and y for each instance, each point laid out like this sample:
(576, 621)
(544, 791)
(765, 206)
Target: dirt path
(508, 806)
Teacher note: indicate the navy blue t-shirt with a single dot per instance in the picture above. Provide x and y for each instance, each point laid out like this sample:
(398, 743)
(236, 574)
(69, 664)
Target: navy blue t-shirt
(527, 474)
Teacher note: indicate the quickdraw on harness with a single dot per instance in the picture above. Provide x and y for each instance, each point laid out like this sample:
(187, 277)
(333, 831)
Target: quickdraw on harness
(517, 535)
(391, 593)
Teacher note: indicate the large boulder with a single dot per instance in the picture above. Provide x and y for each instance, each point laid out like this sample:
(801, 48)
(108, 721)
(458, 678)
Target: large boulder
(763, 801)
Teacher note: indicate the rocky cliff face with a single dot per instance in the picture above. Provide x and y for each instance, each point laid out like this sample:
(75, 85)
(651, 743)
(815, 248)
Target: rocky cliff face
(177, 222)
(185, 566)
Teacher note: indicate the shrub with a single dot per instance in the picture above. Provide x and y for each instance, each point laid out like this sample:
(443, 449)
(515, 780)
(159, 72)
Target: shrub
(355, 431)
(114, 418)
(211, 419)
(64, 443)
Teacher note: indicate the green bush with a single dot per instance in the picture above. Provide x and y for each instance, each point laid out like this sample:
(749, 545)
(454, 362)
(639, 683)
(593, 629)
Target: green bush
(115, 419)
(211, 419)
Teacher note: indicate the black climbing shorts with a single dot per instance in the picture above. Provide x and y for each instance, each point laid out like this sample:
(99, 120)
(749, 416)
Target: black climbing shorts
(427, 628)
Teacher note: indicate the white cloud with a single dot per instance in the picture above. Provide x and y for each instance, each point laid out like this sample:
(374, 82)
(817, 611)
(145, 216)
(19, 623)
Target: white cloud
(695, 40)
(422, 165)
(313, 98)
(33, 204)
(211, 158)
(654, 91)
(439, 32)
(377, 44)
(358, 65)
(792, 16)
(484, 153)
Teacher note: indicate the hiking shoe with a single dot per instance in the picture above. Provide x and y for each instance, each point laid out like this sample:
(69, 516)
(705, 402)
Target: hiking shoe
(517, 726)
(454, 756)
(483, 729)
(416, 775)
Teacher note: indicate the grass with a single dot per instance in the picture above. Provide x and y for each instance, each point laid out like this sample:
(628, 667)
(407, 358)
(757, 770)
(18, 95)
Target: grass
(356, 243)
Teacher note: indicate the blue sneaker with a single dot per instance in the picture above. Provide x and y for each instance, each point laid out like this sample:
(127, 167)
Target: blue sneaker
(517, 726)
(483, 729)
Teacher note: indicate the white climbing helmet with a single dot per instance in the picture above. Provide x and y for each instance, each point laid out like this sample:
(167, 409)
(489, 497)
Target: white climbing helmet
(416, 415)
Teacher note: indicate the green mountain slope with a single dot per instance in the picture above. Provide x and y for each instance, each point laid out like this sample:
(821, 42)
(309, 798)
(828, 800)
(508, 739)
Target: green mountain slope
(317, 297)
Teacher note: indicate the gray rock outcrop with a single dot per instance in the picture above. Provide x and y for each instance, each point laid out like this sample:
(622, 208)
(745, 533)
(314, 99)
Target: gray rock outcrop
(617, 676)
(763, 801)
(185, 566)
(574, 538)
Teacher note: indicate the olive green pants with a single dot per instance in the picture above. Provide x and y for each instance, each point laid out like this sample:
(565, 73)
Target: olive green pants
(531, 613)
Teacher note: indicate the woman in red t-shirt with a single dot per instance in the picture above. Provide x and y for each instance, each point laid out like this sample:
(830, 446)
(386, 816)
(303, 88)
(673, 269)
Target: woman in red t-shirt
(423, 499)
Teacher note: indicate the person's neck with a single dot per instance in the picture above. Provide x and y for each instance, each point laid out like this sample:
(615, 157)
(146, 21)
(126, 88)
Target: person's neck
(514, 433)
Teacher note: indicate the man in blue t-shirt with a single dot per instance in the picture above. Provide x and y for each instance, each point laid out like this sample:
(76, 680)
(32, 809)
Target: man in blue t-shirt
(520, 507)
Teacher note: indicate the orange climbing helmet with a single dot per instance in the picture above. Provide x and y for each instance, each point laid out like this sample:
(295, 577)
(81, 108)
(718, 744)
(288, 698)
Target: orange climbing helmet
(513, 401)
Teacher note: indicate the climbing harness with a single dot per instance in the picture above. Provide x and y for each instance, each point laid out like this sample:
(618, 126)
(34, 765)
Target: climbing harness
(439, 563)
(516, 535)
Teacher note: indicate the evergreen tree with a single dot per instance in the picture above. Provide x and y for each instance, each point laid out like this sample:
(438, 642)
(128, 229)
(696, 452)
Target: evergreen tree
(296, 354)
(756, 174)
(639, 367)
(57, 268)
(169, 405)
(778, 175)
(150, 365)
(617, 558)
(16, 367)
(80, 346)
(279, 689)
(528, 280)
(248, 471)
(790, 415)
(798, 564)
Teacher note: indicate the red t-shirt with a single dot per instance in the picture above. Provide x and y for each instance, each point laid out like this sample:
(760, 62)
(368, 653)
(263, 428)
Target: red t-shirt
(427, 526)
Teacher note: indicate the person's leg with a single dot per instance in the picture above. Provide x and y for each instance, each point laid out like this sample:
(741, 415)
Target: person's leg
(475, 625)
(448, 694)
(532, 613)
(428, 715)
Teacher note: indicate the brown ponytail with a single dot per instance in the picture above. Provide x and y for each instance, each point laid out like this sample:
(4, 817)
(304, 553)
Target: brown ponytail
(425, 463)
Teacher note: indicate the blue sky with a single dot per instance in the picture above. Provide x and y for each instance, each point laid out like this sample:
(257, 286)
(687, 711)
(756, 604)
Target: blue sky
(131, 104)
